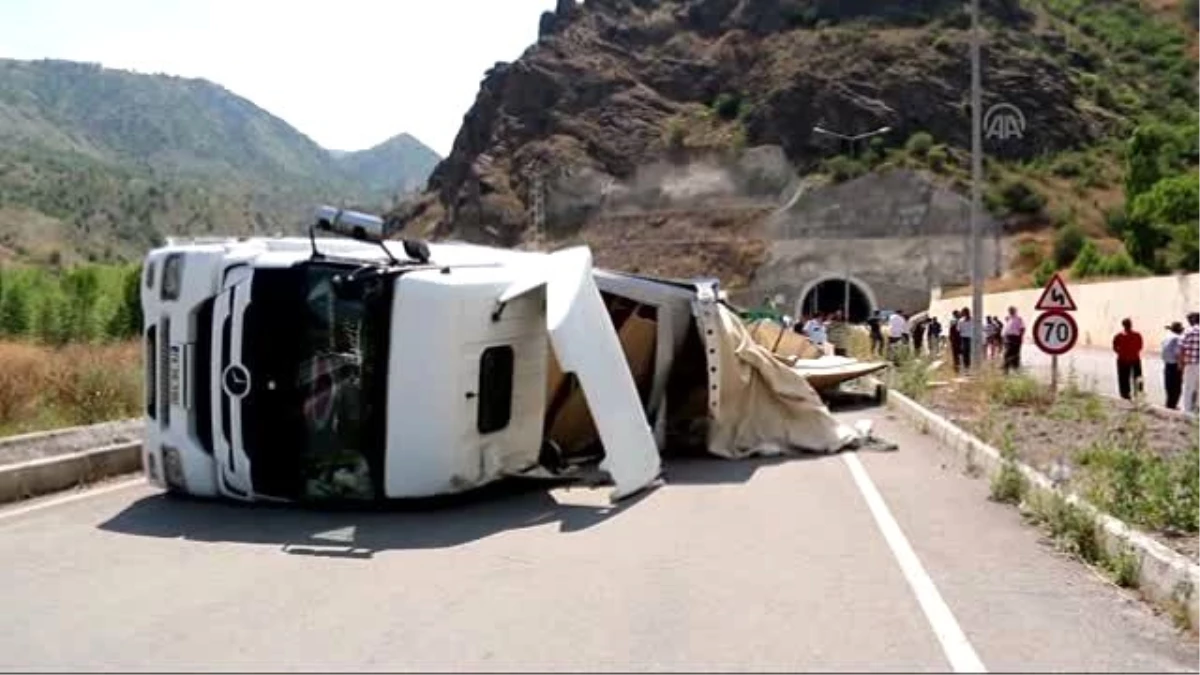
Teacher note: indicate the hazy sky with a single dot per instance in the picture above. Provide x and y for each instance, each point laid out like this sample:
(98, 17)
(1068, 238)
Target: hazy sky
(348, 73)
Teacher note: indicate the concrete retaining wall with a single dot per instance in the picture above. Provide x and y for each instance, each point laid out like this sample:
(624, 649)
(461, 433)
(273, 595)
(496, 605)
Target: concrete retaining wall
(1151, 302)
(52, 474)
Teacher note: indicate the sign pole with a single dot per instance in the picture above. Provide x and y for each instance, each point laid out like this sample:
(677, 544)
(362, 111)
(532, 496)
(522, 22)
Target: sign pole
(1054, 376)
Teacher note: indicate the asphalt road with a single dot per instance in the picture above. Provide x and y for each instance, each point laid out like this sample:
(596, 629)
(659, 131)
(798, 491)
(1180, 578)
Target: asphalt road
(1096, 369)
(783, 565)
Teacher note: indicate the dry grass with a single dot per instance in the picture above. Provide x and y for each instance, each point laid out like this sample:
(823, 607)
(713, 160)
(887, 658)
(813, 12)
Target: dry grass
(44, 388)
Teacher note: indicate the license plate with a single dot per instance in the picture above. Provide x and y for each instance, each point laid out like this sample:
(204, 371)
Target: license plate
(174, 369)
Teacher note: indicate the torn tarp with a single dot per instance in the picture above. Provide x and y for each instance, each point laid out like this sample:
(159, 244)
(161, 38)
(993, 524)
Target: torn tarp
(762, 403)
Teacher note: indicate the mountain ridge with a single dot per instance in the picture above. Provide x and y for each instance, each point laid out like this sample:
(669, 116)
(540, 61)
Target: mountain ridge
(109, 161)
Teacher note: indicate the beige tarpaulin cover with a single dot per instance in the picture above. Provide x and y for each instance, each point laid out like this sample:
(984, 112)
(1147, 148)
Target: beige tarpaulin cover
(783, 341)
(765, 406)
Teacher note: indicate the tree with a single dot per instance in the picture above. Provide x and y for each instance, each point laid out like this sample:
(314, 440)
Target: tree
(14, 311)
(126, 321)
(1167, 208)
(1154, 151)
(48, 323)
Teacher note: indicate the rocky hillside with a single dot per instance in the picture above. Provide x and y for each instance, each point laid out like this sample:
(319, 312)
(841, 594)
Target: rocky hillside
(615, 85)
(98, 163)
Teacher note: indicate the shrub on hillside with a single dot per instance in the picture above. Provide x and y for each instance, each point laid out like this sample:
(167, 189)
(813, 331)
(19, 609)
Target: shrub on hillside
(842, 168)
(1087, 263)
(938, 157)
(1019, 197)
(919, 144)
(1043, 273)
(1068, 242)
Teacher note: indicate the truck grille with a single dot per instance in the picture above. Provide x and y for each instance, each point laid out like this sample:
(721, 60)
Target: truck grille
(202, 376)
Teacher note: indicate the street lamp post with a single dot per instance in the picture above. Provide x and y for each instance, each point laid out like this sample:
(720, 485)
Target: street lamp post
(976, 190)
(853, 153)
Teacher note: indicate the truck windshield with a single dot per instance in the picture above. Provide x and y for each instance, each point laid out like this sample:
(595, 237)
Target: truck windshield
(317, 351)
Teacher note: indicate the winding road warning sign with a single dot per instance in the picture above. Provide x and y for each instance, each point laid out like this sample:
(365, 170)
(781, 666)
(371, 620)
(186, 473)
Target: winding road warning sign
(1055, 332)
(1056, 297)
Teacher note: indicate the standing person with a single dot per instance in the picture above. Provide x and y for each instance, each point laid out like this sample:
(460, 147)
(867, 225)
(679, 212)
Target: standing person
(839, 334)
(989, 342)
(966, 336)
(873, 324)
(897, 327)
(955, 341)
(935, 337)
(1189, 356)
(1128, 347)
(1172, 370)
(1013, 335)
(815, 330)
(918, 336)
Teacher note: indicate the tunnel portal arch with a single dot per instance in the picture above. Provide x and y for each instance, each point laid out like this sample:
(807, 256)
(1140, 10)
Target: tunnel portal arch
(833, 292)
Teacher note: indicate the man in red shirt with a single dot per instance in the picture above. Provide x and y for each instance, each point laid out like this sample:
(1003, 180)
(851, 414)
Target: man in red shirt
(1128, 346)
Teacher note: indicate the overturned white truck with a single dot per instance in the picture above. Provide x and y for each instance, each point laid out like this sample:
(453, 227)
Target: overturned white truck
(292, 369)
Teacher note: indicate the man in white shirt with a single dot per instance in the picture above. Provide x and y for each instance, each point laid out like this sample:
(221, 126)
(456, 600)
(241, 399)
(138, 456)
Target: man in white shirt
(814, 329)
(897, 329)
(1013, 334)
(1172, 348)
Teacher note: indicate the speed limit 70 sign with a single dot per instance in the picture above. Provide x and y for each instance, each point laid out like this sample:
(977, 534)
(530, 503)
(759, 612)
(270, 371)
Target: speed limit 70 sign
(1055, 332)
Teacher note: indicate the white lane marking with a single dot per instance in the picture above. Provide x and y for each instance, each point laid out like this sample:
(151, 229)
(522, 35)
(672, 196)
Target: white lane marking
(59, 501)
(958, 649)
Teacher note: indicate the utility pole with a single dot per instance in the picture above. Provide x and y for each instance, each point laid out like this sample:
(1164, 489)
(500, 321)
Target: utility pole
(976, 193)
(539, 207)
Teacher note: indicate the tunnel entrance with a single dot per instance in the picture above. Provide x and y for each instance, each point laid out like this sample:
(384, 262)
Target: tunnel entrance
(832, 294)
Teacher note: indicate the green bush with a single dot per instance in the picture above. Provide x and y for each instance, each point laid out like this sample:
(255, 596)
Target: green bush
(1119, 264)
(1043, 273)
(938, 156)
(919, 144)
(842, 168)
(728, 106)
(1087, 263)
(1068, 243)
(1067, 166)
(1019, 197)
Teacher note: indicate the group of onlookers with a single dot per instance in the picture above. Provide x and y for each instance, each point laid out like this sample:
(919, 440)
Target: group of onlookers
(927, 335)
(1181, 362)
(1003, 339)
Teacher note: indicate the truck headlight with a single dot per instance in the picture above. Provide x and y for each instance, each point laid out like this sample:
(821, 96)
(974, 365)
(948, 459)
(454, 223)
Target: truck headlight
(173, 469)
(172, 277)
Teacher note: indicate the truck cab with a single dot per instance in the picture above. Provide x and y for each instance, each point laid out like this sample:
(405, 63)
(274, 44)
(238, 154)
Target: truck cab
(358, 373)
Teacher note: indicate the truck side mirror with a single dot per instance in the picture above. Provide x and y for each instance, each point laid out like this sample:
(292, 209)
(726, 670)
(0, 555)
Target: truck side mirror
(417, 250)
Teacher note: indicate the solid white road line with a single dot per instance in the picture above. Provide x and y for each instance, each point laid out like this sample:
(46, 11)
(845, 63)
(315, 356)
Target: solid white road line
(958, 650)
(67, 499)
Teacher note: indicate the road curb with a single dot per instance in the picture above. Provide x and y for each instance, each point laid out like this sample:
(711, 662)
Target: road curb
(37, 436)
(52, 474)
(1165, 577)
